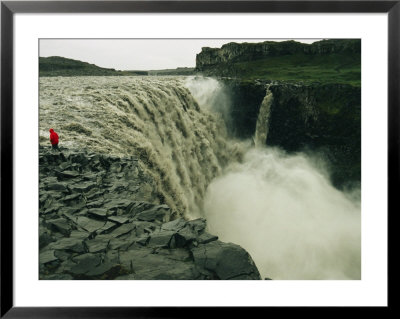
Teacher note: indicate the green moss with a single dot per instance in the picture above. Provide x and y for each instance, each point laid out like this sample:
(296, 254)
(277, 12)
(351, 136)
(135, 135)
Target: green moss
(332, 68)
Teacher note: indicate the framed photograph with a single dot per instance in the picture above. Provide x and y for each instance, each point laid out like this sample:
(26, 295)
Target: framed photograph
(163, 155)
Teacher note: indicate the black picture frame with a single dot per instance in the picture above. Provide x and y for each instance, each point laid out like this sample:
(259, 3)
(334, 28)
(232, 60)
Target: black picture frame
(9, 8)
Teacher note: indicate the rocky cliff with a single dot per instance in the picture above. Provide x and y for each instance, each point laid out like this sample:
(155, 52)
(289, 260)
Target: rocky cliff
(235, 52)
(318, 118)
(99, 219)
(316, 90)
(327, 61)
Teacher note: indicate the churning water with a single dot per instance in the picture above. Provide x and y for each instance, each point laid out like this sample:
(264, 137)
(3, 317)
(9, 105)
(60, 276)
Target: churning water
(280, 208)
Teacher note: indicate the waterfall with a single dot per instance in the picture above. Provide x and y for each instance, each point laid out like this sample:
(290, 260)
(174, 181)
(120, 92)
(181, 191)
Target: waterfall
(279, 207)
(182, 146)
(262, 125)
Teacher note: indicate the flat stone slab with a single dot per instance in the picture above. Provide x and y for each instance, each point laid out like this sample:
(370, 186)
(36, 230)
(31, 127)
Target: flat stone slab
(160, 213)
(72, 197)
(83, 187)
(122, 230)
(79, 234)
(206, 238)
(98, 212)
(67, 174)
(61, 225)
(118, 219)
(47, 256)
(91, 225)
(107, 228)
(95, 204)
(57, 187)
(71, 244)
(121, 244)
(161, 239)
(97, 245)
(174, 225)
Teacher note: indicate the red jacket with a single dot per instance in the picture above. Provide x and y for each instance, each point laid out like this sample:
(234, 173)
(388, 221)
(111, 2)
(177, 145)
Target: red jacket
(53, 137)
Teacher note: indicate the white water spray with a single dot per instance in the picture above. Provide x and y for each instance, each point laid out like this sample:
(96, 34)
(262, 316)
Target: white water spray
(288, 216)
(262, 125)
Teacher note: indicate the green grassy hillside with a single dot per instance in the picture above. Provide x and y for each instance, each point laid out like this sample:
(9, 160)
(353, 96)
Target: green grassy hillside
(332, 68)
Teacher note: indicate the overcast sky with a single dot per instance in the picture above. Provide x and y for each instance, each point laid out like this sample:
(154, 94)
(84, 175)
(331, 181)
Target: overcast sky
(131, 54)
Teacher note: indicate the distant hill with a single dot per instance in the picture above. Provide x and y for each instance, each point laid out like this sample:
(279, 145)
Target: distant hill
(60, 66)
(177, 71)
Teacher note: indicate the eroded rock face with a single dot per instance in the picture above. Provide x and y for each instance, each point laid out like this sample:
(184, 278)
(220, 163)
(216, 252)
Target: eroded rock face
(317, 117)
(94, 224)
(236, 52)
(323, 118)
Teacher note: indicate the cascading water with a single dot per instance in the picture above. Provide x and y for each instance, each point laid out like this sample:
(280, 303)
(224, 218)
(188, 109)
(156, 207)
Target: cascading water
(262, 125)
(154, 119)
(280, 208)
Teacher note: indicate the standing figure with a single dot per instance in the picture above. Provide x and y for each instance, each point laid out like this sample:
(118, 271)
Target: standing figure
(54, 139)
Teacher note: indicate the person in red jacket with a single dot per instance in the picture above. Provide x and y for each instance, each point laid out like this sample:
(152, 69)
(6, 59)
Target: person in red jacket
(53, 139)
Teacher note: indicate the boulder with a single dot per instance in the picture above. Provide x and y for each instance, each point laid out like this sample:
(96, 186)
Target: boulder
(225, 260)
(184, 237)
(197, 225)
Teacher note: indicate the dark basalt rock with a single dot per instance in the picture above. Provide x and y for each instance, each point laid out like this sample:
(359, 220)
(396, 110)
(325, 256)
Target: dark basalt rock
(174, 225)
(94, 224)
(118, 219)
(100, 213)
(157, 213)
(61, 225)
(69, 244)
(160, 238)
(44, 238)
(226, 261)
(47, 256)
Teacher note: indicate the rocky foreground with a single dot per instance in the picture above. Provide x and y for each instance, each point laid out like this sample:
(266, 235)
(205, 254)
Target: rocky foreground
(98, 219)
